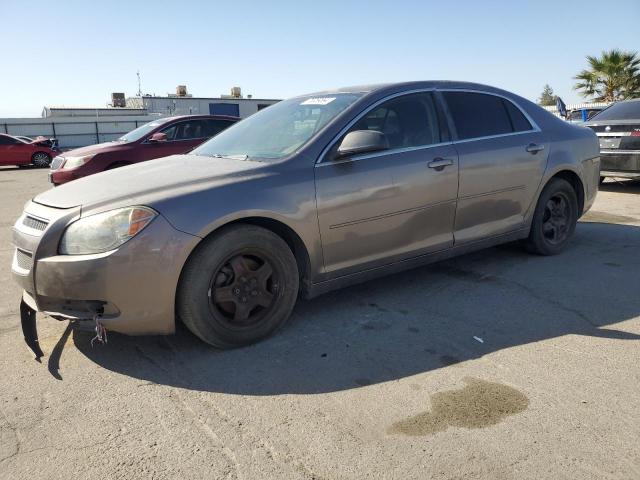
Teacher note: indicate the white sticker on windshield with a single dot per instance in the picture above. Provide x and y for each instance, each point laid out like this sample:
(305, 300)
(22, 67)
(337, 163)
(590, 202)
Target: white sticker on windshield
(318, 101)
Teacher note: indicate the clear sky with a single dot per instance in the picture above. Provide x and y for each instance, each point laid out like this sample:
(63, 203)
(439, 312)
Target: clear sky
(77, 52)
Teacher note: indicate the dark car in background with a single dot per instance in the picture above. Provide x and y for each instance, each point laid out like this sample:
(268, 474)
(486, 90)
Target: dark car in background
(16, 151)
(618, 130)
(156, 139)
(579, 115)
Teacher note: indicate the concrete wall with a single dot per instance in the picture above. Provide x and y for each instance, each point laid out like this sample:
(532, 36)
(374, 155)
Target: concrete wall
(74, 132)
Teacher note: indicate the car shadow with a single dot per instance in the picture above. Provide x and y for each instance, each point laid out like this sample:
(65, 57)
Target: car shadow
(620, 185)
(409, 323)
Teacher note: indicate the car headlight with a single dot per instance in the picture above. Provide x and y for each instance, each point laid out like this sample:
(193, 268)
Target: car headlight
(75, 162)
(105, 231)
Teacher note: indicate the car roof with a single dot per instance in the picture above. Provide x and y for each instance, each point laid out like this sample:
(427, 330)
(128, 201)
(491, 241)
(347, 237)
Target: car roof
(183, 117)
(413, 85)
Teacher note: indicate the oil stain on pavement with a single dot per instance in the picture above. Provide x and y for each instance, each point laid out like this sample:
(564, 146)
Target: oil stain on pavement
(479, 404)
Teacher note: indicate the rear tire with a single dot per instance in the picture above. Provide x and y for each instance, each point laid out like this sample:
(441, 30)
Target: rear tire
(41, 159)
(554, 219)
(238, 287)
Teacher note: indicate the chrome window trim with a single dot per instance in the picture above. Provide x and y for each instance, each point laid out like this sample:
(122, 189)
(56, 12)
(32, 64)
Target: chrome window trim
(321, 158)
(365, 156)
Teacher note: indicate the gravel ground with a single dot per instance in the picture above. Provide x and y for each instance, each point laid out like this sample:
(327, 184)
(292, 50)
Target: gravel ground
(494, 365)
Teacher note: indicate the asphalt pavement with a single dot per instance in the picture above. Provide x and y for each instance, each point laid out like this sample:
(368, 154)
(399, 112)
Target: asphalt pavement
(499, 364)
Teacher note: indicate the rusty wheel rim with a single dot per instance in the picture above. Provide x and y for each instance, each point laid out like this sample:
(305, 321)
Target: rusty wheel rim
(243, 290)
(556, 219)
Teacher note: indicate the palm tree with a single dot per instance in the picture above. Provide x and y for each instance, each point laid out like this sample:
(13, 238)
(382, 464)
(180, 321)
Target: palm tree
(614, 76)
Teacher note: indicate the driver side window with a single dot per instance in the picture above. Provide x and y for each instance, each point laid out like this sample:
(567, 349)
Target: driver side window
(406, 121)
(189, 130)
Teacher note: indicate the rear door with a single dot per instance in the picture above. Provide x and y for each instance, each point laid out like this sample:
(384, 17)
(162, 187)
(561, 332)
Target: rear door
(502, 159)
(377, 208)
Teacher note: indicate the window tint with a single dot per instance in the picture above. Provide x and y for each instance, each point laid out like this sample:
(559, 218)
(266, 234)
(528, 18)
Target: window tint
(518, 120)
(186, 130)
(477, 114)
(5, 140)
(214, 127)
(407, 121)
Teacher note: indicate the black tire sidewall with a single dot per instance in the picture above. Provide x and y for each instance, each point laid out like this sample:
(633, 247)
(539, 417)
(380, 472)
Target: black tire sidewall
(192, 305)
(537, 243)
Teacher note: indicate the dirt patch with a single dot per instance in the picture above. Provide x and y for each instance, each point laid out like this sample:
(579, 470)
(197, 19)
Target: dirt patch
(479, 404)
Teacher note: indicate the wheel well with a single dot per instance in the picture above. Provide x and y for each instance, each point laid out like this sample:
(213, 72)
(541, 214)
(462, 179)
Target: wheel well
(576, 183)
(292, 239)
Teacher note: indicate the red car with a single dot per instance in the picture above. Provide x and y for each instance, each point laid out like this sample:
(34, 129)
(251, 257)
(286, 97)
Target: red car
(158, 138)
(15, 151)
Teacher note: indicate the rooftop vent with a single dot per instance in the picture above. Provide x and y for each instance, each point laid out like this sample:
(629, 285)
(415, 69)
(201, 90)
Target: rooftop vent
(117, 100)
(181, 91)
(236, 92)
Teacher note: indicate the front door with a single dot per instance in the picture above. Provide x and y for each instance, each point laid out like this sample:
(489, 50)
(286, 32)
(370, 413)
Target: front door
(181, 138)
(377, 208)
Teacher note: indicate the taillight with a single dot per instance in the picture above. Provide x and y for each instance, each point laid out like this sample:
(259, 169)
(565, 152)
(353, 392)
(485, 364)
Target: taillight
(635, 133)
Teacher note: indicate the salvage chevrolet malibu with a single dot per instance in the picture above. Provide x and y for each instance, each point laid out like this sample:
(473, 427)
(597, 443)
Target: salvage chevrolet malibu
(308, 195)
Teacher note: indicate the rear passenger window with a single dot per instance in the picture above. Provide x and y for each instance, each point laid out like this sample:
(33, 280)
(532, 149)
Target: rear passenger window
(478, 114)
(214, 127)
(518, 120)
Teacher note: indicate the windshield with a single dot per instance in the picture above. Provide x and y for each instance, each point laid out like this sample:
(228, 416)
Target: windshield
(619, 111)
(142, 130)
(279, 130)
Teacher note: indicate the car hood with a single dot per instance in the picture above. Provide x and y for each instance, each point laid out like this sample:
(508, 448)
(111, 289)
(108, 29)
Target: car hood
(146, 182)
(97, 148)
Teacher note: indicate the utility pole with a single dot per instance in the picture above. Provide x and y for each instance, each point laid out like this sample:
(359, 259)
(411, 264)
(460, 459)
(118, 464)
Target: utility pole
(139, 87)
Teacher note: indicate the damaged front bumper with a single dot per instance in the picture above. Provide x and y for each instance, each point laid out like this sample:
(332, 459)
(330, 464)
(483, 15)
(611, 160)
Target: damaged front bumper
(132, 288)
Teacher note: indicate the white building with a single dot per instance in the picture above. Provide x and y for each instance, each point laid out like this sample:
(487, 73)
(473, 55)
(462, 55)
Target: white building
(183, 105)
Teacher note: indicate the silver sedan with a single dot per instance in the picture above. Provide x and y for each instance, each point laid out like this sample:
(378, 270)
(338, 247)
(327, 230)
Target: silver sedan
(311, 194)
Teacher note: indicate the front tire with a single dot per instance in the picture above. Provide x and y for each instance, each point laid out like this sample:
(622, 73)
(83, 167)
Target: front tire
(554, 219)
(41, 159)
(239, 286)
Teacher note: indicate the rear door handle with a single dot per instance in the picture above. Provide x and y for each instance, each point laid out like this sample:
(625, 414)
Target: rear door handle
(534, 148)
(440, 163)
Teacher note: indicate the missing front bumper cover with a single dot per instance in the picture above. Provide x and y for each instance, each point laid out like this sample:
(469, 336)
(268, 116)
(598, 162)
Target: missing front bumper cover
(29, 329)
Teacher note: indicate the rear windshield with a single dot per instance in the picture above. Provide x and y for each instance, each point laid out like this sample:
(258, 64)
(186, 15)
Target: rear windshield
(620, 111)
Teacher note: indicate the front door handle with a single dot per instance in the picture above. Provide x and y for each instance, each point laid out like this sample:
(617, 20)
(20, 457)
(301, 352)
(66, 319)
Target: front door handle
(534, 148)
(439, 163)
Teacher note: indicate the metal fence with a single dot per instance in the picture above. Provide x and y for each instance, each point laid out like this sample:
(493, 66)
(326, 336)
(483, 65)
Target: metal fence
(573, 106)
(74, 132)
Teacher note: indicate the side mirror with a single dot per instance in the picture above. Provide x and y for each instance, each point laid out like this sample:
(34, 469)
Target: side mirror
(158, 137)
(362, 141)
